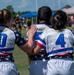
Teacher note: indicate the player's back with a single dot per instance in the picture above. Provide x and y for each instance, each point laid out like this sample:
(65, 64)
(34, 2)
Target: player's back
(59, 42)
(7, 39)
(40, 29)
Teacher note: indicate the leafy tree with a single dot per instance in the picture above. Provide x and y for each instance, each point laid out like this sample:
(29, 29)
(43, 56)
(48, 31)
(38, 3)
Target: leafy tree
(9, 7)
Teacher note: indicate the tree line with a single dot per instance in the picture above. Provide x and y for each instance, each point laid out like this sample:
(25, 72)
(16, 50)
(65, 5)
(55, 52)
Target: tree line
(10, 7)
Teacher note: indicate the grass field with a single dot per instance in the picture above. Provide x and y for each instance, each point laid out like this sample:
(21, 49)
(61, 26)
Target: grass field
(20, 58)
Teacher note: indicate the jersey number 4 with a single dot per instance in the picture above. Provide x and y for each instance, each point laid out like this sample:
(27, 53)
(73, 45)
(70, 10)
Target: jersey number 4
(60, 40)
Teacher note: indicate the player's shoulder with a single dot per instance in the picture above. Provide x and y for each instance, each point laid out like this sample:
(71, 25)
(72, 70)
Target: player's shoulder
(72, 31)
(41, 26)
(17, 33)
(68, 30)
(7, 30)
(49, 31)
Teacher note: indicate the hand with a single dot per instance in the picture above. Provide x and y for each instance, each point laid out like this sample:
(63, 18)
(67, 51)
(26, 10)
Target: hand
(32, 31)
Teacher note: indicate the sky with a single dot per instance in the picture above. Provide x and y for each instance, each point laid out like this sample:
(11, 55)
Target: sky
(33, 5)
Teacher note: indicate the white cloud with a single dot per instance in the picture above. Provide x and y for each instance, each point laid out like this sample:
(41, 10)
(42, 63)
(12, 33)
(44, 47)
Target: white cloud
(24, 3)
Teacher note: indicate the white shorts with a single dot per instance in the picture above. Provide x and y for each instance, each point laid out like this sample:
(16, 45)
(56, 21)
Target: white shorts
(8, 68)
(37, 67)
(60, 67)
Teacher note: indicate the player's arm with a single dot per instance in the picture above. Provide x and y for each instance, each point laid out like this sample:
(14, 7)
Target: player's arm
(26, 47)
(29, 56)
(36, 49)
(40, 43)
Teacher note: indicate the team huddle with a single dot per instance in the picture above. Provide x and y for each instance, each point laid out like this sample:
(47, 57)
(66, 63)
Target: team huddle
(49, 44)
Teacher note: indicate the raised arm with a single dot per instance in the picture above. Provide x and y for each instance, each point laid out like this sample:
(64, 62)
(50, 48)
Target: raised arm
(27, 47)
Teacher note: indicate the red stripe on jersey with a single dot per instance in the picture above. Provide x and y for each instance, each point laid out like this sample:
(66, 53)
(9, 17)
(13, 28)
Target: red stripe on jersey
(4, 54)
(39, 44)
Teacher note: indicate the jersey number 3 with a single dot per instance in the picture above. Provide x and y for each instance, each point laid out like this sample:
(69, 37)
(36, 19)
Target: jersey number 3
(3, 38)
(60, 40)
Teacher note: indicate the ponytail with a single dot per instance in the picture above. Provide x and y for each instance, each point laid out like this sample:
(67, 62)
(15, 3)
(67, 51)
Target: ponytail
(1, 16)
(5, 16)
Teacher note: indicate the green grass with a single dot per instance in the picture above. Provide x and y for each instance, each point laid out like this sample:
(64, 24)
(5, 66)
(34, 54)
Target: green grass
(20, 58)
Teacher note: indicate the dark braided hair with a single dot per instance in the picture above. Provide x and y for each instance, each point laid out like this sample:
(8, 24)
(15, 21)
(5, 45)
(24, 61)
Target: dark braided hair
(59, 19)
(44, 14)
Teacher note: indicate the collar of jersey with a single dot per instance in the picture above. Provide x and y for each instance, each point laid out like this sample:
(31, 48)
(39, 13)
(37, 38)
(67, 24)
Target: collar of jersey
(60, 30)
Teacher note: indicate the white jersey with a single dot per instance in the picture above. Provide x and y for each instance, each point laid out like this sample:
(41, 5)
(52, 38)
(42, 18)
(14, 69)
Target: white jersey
(57, 42)
(40, 29)
(38, 67)
(8, 39)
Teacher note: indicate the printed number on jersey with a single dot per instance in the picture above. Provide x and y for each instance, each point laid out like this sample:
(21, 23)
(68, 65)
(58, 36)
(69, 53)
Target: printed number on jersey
(3, 38)
(60, 40)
